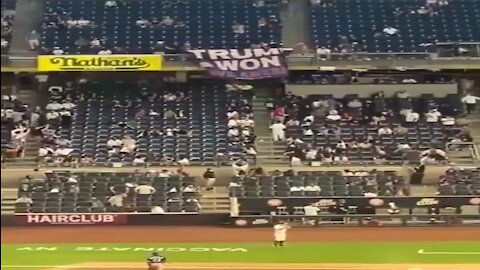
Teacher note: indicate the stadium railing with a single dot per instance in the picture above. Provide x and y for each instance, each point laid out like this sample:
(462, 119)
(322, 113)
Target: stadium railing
(183, 62)
(358, 220)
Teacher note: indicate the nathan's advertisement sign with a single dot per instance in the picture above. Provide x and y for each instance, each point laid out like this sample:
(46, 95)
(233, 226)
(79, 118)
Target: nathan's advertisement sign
(247, 64)
(99, 62)
(266, 205)
(72, 219)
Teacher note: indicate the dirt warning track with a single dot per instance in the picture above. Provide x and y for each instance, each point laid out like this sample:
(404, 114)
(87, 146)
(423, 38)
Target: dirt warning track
(185, 234)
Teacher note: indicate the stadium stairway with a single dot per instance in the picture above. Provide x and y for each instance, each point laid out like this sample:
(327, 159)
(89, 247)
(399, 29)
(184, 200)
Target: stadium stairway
(296, 23)
(29, 14)
(215, 201)
(31, 150)
(9, 195)
(269, 152)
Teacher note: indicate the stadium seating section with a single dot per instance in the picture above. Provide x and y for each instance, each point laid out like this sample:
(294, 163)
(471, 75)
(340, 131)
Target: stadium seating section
(332, 183)
(421, 136)
(97, 186)
(460, 182)
(458, 21)
(207, 24)
(96, 120)
(7, 22)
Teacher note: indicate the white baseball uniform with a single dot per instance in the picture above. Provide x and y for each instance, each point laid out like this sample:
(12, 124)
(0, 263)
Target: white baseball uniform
(280, 232)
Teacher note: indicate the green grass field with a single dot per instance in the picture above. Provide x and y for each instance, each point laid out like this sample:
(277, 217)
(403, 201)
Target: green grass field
(345, 252)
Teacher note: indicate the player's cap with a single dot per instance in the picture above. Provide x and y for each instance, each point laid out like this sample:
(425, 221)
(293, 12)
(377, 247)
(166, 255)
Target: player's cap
(155, 254)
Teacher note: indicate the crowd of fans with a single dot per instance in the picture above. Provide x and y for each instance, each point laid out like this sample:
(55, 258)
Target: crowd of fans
(57, 18)
(351, 44)
(17, 120)
(119, 197)
(370, 181)
(241, 126)
(7, 28)
(325, 117)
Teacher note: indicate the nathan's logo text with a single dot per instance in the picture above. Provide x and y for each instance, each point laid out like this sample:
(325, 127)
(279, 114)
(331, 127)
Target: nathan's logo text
(99, 62)
(94, 62)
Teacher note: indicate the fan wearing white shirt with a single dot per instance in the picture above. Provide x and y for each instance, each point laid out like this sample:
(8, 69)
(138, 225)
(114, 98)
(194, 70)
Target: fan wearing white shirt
(308, 132)
(53, 106)
(104, 52)
(157, 210)
(190, 188)
(232, 123)
(390, 30)
(297, 188)
(448, 121)
(313, 187)
(57, 51)
(117, 200)
(278, 131)
(432, 116)
(144, 189)
(385, 131)
(411, 116)
(470, 102)
(60, 152)
(138, 161)
(333, 116)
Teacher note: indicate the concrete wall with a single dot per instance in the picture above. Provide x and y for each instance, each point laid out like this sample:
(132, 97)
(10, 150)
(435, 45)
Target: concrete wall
(339, 91)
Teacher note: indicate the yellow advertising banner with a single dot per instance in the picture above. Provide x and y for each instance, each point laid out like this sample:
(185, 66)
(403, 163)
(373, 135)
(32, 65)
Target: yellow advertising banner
(119, 62)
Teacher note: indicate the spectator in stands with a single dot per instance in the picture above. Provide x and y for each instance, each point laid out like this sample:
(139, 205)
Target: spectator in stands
(390, 31)
(385, 131)
(240, 166)
(116, 201)
(138, 160)
(58, 51)
(142, 23)
(411, 117)
(313, 187)
(190, 188)
(398, 129)
(238, 29)
(97, 204)
(432, 116)
(33, 39)
(157, 209)
(448, 121)
(278, 131)
(183, 161)
(145, 189)
(433, 155)
(111, 3)
(209, 177)
(402, 94)
(297, 188)
(128, 145)
(24, 199)
(334, 116)
(470, 102)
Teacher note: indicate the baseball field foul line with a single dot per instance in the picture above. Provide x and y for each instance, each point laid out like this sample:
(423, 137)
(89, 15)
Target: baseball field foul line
(195, 267)
(421, 251)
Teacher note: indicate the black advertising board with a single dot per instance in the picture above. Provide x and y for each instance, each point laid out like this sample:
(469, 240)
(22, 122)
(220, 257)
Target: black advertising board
(266, 205)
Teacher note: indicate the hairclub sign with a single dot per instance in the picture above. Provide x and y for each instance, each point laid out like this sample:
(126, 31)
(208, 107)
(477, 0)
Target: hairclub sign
(72, 219)
(246, 64)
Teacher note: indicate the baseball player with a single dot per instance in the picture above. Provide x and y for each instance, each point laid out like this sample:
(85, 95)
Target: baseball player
(156, 262)
(280, 233)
